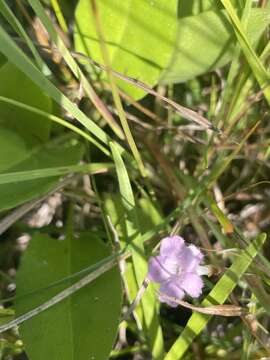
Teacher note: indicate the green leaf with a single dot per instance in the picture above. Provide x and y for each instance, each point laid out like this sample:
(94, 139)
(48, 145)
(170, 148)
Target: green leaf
(41, 157)
(83, 326)
(13, 149)
(140, 37)
(149, 215)
(206, 42)
(16, 85)
(195, 7)
(3, 59)
(218, 295)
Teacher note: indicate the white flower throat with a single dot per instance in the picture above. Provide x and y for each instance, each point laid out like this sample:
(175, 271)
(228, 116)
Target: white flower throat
(174, 268)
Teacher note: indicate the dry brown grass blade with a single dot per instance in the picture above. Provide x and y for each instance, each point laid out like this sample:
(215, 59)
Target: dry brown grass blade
(182, 110)
(221, 310)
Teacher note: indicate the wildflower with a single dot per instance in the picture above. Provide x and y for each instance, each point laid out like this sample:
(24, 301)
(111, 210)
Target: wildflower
(177, 269)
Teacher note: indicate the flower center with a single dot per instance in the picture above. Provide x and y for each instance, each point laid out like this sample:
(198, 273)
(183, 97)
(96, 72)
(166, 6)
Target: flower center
(178, 270)
(174, 268)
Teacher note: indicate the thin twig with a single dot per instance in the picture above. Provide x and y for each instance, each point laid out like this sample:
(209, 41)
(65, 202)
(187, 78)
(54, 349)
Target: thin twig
(221, 310)
(185, 112)
(114, 232)
(182, 110)
(117, 243)
(137, 299)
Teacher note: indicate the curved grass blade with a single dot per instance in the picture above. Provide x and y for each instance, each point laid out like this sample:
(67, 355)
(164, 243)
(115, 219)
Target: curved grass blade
(56, 119)
(94, 168)
(257, 67)
(59, 15)
(150, 320)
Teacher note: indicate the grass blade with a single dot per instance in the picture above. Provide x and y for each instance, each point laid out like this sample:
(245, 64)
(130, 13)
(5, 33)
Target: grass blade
(14, 22)
(60, 17)
(19, 176)
(151, 324)
(56, 119)
(258, 69)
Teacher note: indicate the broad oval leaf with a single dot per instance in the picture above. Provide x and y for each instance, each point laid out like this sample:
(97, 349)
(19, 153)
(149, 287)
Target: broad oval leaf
(16, 85)
(84, 325)
(206, 42)
(140, 37)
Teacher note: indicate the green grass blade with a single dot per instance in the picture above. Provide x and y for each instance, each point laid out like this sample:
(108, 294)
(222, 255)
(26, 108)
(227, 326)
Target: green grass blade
(19, 59)
(133, 230)
(14, 22)
(151, 324)
(56, 119)
(233, 71)
(222, 164)
(257, 67)
(19, 176)
(58, 13)
(218, 295)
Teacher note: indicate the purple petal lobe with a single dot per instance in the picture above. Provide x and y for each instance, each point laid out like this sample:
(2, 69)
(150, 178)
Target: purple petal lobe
(156, 270)
(191, 258)
(192, 284)
(172, 246)
(170, 288)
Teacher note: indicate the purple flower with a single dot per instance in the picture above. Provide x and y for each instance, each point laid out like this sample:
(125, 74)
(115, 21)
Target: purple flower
(177, 269)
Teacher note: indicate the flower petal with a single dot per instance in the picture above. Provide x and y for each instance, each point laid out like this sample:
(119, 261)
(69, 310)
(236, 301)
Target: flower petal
(170, 288)
(191, 258)
(156, 270)
(172, 246)
(192, 284)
